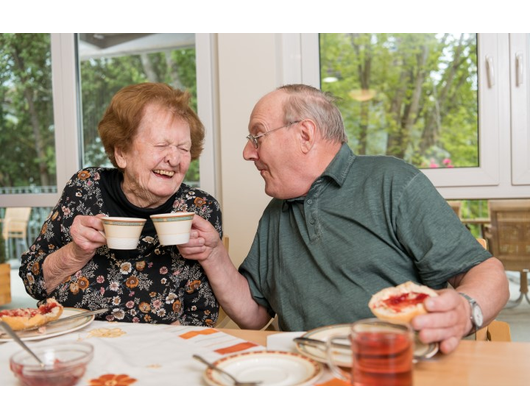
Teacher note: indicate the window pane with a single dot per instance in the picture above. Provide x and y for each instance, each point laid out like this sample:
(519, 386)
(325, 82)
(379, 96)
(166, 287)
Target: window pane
(109, 62)
(20, 227)
(413, 96)
(27, 138)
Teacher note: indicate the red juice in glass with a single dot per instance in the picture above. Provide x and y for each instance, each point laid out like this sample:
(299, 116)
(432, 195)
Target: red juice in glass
(382, 354)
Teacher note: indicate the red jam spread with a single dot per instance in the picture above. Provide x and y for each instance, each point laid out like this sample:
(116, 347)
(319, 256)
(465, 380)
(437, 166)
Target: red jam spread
(29, 312)
(397, 303)
(47, 308)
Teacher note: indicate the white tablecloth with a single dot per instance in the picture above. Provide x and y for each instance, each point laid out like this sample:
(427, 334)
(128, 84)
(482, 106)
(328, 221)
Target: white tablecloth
(145, 354)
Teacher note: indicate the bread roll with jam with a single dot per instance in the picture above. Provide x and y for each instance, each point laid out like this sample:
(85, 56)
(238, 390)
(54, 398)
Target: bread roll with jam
(401, 303)
(20, 319)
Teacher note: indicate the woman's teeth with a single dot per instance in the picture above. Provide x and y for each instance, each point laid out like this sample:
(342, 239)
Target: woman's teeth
(166, 173)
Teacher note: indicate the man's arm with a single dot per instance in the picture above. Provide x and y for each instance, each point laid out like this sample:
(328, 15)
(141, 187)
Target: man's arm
(230, 287)
(488, 285)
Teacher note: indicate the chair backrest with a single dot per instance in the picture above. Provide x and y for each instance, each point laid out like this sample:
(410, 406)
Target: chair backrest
(483, 242)
(15, 223)
(223, 319)
(509, 239)
(456, 206)
(495, 331)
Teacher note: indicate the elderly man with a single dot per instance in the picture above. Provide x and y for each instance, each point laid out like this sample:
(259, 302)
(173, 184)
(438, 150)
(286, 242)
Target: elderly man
(341, 227)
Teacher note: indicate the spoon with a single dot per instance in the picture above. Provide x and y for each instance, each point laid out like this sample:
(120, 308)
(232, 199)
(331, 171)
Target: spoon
(15, 337)
(236, 382)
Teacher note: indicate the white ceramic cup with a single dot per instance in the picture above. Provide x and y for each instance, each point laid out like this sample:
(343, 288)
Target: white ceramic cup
(123, 232)
(173, 228)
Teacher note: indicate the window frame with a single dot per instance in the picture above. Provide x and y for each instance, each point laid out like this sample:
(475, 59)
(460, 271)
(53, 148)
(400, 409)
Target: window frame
(67, 121)
(520, 105)
(487, 173)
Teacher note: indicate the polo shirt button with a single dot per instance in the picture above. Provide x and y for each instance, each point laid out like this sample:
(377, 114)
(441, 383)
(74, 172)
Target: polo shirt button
(309, 201)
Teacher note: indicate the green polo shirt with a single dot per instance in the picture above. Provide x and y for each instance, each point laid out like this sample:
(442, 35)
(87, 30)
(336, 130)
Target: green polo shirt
(368, 222)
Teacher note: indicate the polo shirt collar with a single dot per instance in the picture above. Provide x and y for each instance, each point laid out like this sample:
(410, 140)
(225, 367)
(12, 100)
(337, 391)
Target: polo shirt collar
(340, 165)
(337, 170)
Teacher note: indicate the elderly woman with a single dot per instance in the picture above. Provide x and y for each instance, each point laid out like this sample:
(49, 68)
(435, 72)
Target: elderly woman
(150, 135)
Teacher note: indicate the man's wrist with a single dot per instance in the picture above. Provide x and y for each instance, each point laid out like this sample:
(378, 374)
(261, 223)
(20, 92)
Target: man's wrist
(475, 315)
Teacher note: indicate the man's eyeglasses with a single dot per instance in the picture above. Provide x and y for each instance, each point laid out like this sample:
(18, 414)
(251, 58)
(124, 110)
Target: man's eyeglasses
(254, 139)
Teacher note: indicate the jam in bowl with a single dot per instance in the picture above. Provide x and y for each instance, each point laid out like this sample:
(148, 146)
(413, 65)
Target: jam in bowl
(64, 364)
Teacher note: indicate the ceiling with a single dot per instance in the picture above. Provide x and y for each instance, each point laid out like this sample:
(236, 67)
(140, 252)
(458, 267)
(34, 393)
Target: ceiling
(100, 45)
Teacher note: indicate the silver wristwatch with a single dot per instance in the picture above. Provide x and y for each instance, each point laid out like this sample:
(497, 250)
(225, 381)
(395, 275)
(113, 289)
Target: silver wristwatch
(476, 316)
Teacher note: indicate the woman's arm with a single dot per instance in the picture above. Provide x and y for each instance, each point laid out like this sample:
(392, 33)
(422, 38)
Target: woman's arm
(86, 232)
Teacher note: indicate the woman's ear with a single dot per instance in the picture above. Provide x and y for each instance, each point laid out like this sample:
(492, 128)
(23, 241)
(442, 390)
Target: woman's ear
(308, 132)
(121, 161)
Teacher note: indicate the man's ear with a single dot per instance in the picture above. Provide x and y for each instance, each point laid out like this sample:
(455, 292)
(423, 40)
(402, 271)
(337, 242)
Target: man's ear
(308, 135)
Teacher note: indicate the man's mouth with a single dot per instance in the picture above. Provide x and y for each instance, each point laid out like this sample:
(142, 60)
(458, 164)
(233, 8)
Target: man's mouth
(164, 173)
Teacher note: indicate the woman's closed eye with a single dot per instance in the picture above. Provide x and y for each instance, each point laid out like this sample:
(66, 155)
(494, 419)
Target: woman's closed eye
(183, 148)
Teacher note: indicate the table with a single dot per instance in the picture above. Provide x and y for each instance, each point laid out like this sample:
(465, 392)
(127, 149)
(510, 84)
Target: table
(473, 363)
(161, 355)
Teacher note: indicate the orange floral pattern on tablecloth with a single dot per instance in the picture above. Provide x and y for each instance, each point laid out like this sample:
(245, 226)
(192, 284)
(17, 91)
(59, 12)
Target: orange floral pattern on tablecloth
(237, 347)
(191, 334)
(334, 382)
(106, 332)
(111, 379)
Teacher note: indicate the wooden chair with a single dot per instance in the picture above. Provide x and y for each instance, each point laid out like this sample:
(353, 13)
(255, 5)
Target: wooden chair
(483, 242)
(15, 226)
(456, 206)
(495, 331)
(509, 239)
(223, 320)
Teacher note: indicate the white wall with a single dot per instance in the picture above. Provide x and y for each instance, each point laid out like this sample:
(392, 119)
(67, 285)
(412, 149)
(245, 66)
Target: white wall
(247, 70)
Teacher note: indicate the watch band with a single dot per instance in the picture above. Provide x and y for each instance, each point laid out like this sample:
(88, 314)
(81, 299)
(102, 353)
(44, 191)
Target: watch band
(472, 305)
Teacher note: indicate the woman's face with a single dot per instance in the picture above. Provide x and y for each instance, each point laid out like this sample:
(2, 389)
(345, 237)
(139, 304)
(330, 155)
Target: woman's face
(158, 159)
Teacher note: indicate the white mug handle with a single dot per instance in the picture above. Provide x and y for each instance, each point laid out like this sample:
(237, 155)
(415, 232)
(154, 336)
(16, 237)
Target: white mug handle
(337, 371)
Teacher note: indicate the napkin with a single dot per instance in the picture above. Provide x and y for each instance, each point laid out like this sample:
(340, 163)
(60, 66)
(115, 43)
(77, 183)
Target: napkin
(283, 341)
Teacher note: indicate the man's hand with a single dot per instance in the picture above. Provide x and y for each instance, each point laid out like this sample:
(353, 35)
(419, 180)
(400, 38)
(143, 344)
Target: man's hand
(204, 239)
(447, 322)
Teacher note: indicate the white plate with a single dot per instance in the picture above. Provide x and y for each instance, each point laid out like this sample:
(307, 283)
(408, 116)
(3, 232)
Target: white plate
(54, 330)
(343, 357)
(270, 367)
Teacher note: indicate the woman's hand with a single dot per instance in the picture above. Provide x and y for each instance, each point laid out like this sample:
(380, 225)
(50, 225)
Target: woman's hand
(87, 235)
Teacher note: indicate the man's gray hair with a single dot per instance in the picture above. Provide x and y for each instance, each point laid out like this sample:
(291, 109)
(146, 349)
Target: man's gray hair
(308, 102)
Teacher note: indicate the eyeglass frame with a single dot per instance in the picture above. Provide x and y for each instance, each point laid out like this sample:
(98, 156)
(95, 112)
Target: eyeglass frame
(254, 139)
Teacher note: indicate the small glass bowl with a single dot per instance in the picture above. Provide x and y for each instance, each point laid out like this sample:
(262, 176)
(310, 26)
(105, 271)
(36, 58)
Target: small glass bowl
(65, 364)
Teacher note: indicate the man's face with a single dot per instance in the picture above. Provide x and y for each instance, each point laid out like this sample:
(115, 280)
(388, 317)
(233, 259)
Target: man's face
(278, 156)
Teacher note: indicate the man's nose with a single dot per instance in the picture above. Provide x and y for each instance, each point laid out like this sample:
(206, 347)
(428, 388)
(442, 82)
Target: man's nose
(250, 152)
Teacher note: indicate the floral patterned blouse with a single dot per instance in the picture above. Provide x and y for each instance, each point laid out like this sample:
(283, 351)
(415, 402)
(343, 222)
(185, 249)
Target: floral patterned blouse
(152, 284)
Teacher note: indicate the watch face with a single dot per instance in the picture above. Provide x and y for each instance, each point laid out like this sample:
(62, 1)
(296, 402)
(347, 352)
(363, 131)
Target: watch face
(477, 316)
